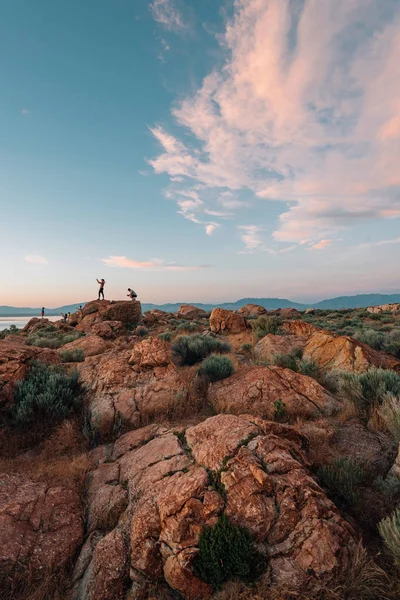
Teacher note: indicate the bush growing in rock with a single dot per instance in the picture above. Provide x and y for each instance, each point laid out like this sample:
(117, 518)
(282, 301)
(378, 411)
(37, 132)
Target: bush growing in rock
(76, 355)
(166, 336)
(46, 394)
(12, 330)
(390, 413)
(290, 360)
(368, 390)
(190, 349)
(247, 348)
(341, 479)
(373, 338)
(141, 331)
(226, 551)
(50, 337)
(265, 325)
(215, 367)
(389, 529)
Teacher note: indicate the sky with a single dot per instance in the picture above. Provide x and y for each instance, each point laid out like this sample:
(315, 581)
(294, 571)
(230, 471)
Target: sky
(198, 151)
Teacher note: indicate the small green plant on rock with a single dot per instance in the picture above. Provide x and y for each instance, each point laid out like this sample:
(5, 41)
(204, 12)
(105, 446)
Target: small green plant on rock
(226, 551)
(166, 336)
(368, 390)
(76, 355)
(342, 478)
(265, 325)
(216, 367)
(389, 528)
(248, 348)
(188, 350)
(280, 411)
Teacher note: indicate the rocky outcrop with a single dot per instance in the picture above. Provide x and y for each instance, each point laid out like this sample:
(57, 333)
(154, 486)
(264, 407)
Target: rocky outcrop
(384, 308)
(151, 353)
(256, 390)
(192, 313)
(163, 498)
(226, 321)
(271, 345)
(156, 317)
(107, 319)
(90, 345)
(252, 310)
(343, 352)
(125, 312)
(15, 357)
(36, 324)
(299, 328)
(41, 529)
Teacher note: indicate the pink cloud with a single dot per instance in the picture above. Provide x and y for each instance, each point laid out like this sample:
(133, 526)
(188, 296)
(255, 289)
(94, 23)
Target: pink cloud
(127, 263)
(316, 125)
(321, 244)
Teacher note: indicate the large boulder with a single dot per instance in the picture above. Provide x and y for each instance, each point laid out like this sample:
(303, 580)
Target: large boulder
(256, 390)
(187, 311)
(151, 352)
(15, 357)
(91, 345)
(252, 310)
(343, 352)
(395, 307)
(271, 345)
(156, 317)
(126, 312)
(41, 529)
(36, 324)
(108, 319)
(262, 468)
(226, 321)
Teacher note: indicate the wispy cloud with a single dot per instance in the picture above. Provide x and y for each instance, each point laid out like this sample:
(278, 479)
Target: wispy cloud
(25, 112)
(379, 243)
(321, 244)
(211, 227)
(36, 259)
(305, 110)
(128, 263)
(166, 13)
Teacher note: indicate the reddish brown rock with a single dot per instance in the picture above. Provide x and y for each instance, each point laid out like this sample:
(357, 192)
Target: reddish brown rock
(151, 353)
(252, 310)
(90, 345)
(226, 321)
(343, 352)
(395, 307)
(255, 390)
(271, 345)
(126, 312)
(299, 328)
(36, 324)
(15, 357)
(267, 489)
(40, 528)
(161, 398)
(187, 311)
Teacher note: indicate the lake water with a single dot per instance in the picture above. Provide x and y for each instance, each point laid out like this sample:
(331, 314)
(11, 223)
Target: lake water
(20, 322)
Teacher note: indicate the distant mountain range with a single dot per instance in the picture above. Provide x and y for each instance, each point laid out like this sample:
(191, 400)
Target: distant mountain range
(360, 301)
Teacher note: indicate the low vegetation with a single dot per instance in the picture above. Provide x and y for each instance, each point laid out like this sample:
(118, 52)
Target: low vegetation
(51, 337)
(46, 395)
(294, 361)
(389, 528)
(12, 330)
(216, 367)
(389, 411)
(226, 551)
(188, 350)
(262, 326)
(76, 355)
(341, 479)
(368, 390)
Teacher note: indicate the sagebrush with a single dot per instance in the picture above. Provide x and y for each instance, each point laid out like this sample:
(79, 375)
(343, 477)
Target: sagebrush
(190, 349)
(216, 367)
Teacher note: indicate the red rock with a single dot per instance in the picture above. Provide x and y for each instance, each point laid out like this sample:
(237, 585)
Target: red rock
(255, 390)
(36, 324)
(91, 345)
(126, 312)
(226, 321)
(271, 345)
(299, 328)
(252, 310)
(151, 353)
(192, 313)
(109, 570)
(40, 527)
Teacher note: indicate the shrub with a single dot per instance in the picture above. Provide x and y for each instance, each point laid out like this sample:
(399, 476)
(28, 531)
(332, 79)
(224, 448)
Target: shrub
(166, 336)
(215, 367)
(390, 413)
(341, 479)
(191, 349)
(141, 331)
(247, 348)
(46, 394)
(392, 342)
(389, 528)
(369, 389)
(265, 325)
(226, 551)
(288, 361)
(50, 337)
(12, 330)
(76, 355)
(280, 411)
(373, 338)
(308, 366)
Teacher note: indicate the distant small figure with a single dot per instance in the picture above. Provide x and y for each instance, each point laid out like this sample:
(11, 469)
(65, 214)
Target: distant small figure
(42, 312)
(64, 317)
(132, 294)
(101, 290)
(80, 308)
(69, 314)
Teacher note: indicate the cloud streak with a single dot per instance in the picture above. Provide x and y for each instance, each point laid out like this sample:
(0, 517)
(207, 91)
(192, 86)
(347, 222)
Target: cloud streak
(166, 13)
(305, 110)
(123, 262)
(36, 259)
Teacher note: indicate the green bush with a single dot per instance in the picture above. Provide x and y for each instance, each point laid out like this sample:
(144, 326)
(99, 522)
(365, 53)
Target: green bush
(215, 367)
(141, 331)
(247, 348)
(191, 349)
(369, 389)
(392, 342)
(265, 325)
(373, 338)
(280, 411)
(46, 394)
(341, 479)
(12, 330)
(308, 366)
(166, 336)
(226, 551)
(50, 337)
(76, 355)
(288, 361)
(389, 529)
(390, 413)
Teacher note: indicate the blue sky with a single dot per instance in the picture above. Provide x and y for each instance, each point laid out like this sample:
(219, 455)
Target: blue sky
(198, 150)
